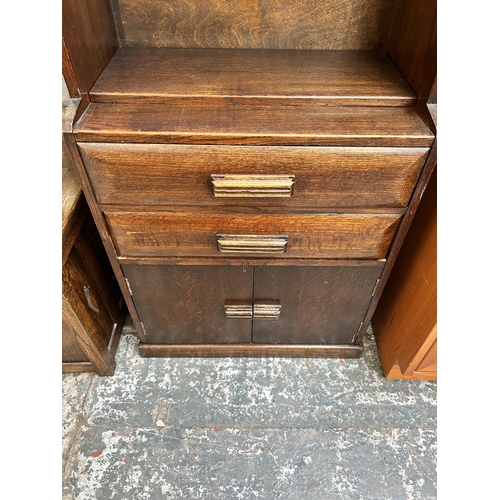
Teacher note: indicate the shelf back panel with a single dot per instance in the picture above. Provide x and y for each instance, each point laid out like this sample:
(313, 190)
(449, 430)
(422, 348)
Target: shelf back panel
(258, 24)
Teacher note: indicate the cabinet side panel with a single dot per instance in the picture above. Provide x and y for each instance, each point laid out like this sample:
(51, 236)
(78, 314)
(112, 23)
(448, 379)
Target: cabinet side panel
(89, 42)
(71, 350)
(412, 43)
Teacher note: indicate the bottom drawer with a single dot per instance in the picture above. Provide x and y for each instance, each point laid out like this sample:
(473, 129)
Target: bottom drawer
(279, 305)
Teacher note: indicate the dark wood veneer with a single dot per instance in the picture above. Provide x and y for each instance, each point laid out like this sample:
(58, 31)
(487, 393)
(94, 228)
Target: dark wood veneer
(185, 304)
(320, 305)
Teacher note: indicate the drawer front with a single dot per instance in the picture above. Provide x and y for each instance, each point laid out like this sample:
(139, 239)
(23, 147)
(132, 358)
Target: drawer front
(192, 234)
(163, 174)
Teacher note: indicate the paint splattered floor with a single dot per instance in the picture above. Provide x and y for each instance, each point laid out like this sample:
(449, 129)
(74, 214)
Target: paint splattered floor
(231, 428)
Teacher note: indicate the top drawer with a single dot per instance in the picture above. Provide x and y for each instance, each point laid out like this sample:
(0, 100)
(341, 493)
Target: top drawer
(215, 175)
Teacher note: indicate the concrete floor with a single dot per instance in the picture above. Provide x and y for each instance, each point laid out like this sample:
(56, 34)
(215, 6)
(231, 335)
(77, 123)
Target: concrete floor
(231, 428)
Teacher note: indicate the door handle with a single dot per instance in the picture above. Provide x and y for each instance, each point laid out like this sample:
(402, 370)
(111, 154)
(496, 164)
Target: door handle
(240, 243)
(238, 311)
(252, 185)
(264, 311)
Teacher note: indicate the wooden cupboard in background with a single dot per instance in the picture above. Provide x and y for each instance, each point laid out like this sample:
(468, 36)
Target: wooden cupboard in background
(93, 310)
(405, 321)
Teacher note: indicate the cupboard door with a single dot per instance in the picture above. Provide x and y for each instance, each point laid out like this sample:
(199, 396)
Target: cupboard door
(192, 304)
(319, 305)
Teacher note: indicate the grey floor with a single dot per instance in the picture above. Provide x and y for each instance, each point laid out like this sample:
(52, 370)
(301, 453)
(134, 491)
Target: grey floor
(231, 428)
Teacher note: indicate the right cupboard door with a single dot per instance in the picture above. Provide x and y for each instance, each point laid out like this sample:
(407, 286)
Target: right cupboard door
(316, 305)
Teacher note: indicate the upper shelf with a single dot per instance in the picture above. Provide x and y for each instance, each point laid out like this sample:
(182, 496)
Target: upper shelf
(159, 75)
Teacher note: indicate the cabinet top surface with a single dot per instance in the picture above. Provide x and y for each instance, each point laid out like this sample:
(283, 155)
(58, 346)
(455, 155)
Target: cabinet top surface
(239, 124)
(347, 77)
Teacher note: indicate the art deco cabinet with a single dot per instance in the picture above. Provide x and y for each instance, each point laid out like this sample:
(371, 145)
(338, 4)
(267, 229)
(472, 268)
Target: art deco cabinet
(252, 166)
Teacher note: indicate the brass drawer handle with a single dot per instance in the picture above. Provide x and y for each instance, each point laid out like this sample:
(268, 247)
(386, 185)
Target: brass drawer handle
(250, 186)
(266, 311)
(243, 243)
(238, 311)
(257, 311)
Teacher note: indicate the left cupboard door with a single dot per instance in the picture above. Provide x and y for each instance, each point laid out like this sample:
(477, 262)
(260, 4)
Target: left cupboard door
(180, 304)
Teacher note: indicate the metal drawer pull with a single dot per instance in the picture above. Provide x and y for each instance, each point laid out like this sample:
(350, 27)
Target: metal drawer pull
(86, 290)
(249, 186)
(266, 311)
(257, 311)
(238, 311)
(257, 243)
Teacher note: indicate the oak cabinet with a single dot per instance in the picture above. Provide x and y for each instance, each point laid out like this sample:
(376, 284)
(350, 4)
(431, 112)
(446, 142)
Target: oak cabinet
(252, 178)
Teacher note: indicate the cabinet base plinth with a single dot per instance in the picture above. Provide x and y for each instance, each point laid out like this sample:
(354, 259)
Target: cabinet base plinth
(250, 350)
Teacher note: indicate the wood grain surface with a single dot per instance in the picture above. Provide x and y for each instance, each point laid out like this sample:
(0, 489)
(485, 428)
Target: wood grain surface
(261, 76)
(194, 233)
(161, 174)
(264, 24)
(405, 320)
(251, 350)
(89, 42)
(185, 304)
(319, 305)
(93, 328)
(71, 330)
(412, 43)
(237, 124)
(74, 210)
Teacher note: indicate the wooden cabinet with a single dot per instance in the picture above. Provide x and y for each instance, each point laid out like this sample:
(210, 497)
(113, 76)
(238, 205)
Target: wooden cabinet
(405, 321)
(251, 179)
(93, 310)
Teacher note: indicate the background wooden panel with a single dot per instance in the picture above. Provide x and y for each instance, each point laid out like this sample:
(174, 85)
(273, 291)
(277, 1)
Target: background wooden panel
(260, 24)
(320, 305)
(163, 174)
(188, 233)
(237, 124)
(185, 304)
(262, 76)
